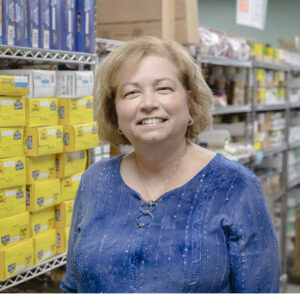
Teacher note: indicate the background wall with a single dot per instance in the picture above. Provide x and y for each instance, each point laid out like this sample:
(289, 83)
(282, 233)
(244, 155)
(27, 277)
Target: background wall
(283, 19)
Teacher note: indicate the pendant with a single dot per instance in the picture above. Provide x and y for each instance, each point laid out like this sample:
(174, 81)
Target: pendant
(150, 203)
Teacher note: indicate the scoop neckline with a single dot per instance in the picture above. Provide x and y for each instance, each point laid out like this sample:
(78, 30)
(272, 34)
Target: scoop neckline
(133, 191)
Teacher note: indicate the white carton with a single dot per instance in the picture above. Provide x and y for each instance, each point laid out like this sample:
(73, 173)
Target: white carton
(41, 83)
(74, 84)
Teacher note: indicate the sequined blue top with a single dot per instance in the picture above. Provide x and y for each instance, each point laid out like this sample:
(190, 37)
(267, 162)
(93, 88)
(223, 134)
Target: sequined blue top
(213, 234)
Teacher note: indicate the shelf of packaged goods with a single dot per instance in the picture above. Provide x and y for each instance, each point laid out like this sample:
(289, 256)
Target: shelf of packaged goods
(106, 45)
(294, 105)
(277, 195)
(35, 271)
(294, 145)
(262, 175)
(271, 66)
(203, 58)
(261, 107)
(294, 183)
(274, 150)
(232, 109)
(49, 56)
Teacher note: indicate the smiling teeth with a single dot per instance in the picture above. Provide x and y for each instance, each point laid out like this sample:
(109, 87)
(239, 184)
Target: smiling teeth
(151, 121)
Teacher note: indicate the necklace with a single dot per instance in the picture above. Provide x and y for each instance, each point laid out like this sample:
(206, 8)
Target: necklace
(165, 183)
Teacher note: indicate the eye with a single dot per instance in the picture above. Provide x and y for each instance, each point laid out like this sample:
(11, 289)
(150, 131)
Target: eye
(131, 94)
(165, 90)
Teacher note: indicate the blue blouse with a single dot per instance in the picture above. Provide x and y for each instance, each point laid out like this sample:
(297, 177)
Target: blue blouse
(213, 234)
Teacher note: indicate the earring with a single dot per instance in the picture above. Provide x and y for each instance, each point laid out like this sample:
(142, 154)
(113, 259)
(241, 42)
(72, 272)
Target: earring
(190, 122)
(119, 131)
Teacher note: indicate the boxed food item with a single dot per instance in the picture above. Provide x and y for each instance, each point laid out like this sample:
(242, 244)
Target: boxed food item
(43, 140)
(12, 112)
(44, 27)
(13, 85)
(76, 111)
(56, 24)
(11, 142)
(62, 238)
(41, 221)
(43, 194)
(167, 19)
(69, 186)
(41, 112)
(40, 168)
(12, 201)
(85, 10)
(74, 84)
(12, 171)
(16, 259)
(80, 137)
(20, 23)
(63, 214)
(44, 246)
(14, 229)
(41, 83)
(8, 22)
(33, 23)
(70, 163)
(68, 32)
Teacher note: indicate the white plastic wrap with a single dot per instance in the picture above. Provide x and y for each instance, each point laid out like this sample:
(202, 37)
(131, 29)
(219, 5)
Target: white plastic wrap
(238, 49)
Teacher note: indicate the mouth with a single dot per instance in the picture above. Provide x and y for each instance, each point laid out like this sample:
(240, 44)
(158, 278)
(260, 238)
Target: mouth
(151, 121)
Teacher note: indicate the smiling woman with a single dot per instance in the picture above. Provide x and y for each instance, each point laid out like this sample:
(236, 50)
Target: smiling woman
(170, 216)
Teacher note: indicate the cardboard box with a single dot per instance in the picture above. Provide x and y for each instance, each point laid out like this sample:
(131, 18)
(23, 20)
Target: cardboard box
(63, 214)
(41, 221)
(44, 246)
(43, 194)
(20, 23)
(33, 23)
(12, 171)
(8, 23)
(14, 229)
(62, 238)
(80, 137)
(69, 186)
(44, 27)
(70, 163)
(43, 140)
(12, 201)
(76, 111)
(74, 84)
(11, 142)
(55, 25)
(41, 83)
(68, 32)
(85, 11)
(16, 259)
(167, 19)
(41, 112)
(12, 112)
(13, 85)
(40, 168)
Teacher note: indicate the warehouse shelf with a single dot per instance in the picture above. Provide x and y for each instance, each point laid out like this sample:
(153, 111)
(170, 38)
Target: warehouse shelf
(277, 195)
(232, 109)
(203, 58)
(35, 271)
(294, 105)
(274, 150)
(271, 66)
(294, 183)
(262, 175)
(262, 107)
(44, 55)
(295, 68)
(294, 145)
(106, 45)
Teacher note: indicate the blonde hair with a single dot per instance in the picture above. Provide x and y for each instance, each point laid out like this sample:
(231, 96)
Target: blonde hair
(108, 76)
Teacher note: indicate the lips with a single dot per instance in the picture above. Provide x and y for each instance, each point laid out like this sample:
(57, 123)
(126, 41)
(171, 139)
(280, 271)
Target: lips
(148, 121)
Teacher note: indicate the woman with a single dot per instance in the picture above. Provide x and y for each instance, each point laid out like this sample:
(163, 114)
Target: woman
(170, 216)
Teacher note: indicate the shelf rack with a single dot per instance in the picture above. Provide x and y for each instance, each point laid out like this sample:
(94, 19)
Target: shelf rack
(232, 109)
(35, 271)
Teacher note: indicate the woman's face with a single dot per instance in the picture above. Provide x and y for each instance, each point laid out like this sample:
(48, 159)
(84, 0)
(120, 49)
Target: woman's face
(151, 103)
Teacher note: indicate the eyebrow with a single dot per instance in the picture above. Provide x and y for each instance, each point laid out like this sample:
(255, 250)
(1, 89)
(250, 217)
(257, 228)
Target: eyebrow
(156, 82)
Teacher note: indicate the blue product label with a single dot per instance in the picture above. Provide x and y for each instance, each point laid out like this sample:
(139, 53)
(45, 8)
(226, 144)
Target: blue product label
(37, 228)
(11, 268)
(17, 135)
(5, 240)
(58, 240)
(58, 134)
(35, 16)
(27, 197)
(21, 85)
(40, 201)
(11, 12)
(53, 106)
(45, 81)
(40, 254)
(57, 215)
(85, 81)
(18, 13)
(35, 174)
(18, 105)
(19, 165)
(20, 194)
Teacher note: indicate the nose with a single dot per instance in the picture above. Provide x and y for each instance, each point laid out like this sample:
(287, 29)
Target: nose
(149, 101)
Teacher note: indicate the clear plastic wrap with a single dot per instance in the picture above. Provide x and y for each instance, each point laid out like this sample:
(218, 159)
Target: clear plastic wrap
(238, 49)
